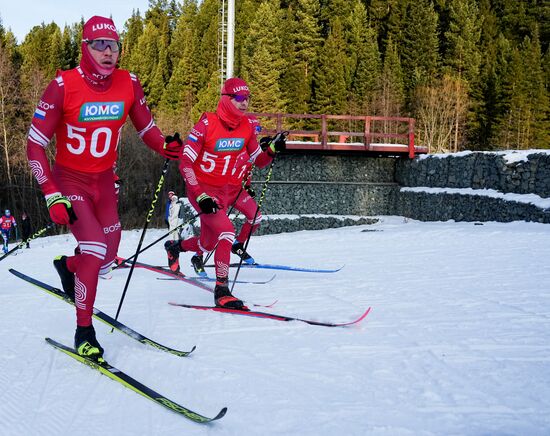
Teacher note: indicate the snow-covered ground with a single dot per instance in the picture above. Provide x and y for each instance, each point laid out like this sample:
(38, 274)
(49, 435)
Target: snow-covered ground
(457, 342)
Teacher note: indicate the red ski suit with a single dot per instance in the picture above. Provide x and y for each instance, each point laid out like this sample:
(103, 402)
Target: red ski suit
(87, 123)
(215, 159)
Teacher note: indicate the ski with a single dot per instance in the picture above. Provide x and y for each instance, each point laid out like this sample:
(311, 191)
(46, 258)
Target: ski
(211, 279)
(271, 315)
(180, 276)
(183, 277)
(101, 316)
(282, 267)
(125, 380)
(188, 279)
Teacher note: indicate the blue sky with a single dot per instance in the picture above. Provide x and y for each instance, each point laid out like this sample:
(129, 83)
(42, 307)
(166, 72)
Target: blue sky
(22, 15)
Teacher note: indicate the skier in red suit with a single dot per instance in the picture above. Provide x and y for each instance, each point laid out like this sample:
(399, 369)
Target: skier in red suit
(6, 223)
(216, 156)
(85, 108)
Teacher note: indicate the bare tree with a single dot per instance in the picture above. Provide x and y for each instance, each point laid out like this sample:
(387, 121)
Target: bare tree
(11, 125)
(441, 112)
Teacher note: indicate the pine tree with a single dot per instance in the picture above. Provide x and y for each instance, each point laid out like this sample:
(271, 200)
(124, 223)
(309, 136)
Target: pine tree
(133, 29)
(245, 13)
(518, 18)
(262, 58)
(463, 37)
(331, 9)
(157, 12)
(179, 95)
(385, 17)
(182, 35)
(208, 97)
(546, 69)
(526, 124)
(300, 52)
(36, 69)
(485, 92)
(160, 77)
(55, 49)
(70, 48)
(500, 88)
(364, 62)
(144, 58)
(419, 47)
(392, 85)
(12, 117)
(36, 49)
(206, 51)
(329, 85)
(462, 59)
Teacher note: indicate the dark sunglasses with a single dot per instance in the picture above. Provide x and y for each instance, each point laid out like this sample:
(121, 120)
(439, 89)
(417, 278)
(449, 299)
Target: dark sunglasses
(102, 44)
(239, 98)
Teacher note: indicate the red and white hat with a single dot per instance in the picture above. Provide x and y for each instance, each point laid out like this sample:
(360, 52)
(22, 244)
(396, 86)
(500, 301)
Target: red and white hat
(99, 28)
(235, 86)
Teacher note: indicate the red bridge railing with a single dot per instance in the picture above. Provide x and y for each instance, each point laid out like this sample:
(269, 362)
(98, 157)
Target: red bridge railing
(383, 135)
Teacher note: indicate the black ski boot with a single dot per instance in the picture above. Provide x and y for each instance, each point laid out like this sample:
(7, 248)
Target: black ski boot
(85, 343)
(173, 251)
(67, 277)
(198, 265)
(224, 298)
(238, 249)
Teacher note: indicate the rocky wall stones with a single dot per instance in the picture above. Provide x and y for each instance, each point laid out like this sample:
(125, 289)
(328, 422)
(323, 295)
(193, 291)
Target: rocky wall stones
(478, 170)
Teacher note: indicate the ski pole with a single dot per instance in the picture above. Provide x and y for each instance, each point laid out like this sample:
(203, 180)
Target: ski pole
(209, 255)
(33, 236)
(158, 240)
(147, 221)
(262, 196)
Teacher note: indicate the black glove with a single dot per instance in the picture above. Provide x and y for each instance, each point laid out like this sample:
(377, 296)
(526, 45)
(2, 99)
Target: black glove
(172, 147)
(279, 143)
(207, 203)
(274, 144)
(250, 191)
(265, 141)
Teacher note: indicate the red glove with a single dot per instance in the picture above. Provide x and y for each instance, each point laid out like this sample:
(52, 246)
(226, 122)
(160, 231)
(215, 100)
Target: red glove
(60, 208)
(172, 147)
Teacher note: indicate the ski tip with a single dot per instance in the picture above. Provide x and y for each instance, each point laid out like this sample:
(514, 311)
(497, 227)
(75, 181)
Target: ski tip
(362, 317)
(221, 414)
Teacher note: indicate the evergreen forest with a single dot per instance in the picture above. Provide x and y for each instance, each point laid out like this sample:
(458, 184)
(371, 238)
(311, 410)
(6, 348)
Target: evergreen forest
(475, 74)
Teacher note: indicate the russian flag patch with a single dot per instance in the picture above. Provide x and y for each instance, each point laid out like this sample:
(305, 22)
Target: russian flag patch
(40, 114)
(193, 138)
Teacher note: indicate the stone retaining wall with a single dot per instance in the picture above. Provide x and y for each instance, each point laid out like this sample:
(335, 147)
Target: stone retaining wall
(316, 184)
(355, 185)
(529, 174)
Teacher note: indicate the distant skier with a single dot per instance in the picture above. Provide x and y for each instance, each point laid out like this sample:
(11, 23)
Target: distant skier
(167, 208)
(86, 108)
(215, 157)
(173, 216)
(26, 227)
(7, 222)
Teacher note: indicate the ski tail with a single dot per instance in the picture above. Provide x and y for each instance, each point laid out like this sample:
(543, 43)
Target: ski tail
(101, 316)
(131, 383)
